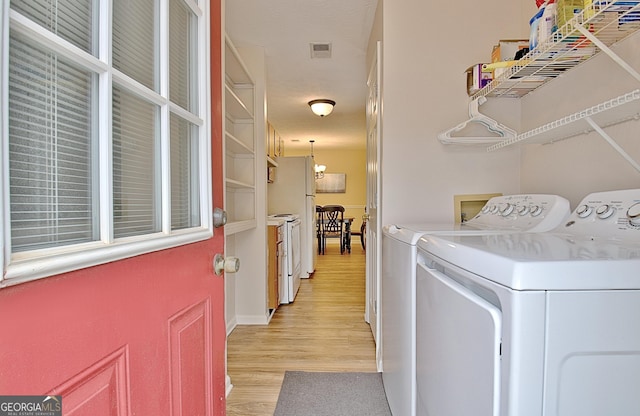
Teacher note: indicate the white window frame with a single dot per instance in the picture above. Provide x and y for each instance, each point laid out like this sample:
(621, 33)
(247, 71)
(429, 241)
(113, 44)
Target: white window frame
(31, 265)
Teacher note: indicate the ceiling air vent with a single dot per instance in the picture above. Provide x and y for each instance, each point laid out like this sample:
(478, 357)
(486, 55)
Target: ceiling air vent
(321, 50)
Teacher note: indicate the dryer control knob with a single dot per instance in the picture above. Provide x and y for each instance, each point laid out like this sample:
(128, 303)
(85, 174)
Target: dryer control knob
(523, 210)
(536, 210)
(605, 211)
(633, 214)
(507, 210)
(583, 211)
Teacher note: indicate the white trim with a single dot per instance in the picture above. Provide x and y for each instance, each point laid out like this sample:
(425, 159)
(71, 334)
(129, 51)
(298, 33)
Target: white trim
(58, 45)
(131, 85)
(80, 256)
(105, 127)
(165, 145)
(187, 115)
(252, 319)
(5, 250)
(354, 207)
(195, 8)
(204, 107)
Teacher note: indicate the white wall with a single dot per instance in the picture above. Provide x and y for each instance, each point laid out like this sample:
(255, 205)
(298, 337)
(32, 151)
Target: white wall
(427, 47)
(580, 165)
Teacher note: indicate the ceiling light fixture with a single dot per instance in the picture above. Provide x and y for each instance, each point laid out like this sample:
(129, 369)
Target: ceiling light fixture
(322, 107)
(318, 169)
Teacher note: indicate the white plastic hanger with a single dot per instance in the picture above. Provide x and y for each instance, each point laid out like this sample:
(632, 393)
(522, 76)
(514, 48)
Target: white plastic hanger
(500, 131)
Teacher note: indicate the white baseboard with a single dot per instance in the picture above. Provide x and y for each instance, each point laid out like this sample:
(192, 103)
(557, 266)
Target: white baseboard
(252, 319)
(231, 325)
(228, 385)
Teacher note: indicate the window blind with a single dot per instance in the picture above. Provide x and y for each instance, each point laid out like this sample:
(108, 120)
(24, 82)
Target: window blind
(50, 149)
(72, 20)
(136, 169)
(181, 53)
(185, 203)
(135, 40)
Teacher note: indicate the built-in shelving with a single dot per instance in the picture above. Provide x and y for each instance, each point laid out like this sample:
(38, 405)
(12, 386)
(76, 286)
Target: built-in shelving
(240, 143)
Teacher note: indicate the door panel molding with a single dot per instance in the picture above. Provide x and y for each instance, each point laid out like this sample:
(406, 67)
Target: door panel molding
(190, 351)
(102, 388)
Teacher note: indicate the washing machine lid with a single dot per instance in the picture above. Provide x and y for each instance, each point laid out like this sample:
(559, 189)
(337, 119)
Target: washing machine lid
(411, 233)
(542, 261)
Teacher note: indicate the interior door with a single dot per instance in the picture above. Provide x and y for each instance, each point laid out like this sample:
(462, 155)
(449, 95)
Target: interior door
(373, 238)
(140, 336)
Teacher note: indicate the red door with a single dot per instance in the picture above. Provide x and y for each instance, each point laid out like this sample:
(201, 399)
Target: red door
(141, 336)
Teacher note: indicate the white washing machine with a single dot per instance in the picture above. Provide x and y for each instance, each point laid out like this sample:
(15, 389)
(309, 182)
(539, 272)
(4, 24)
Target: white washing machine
(533, 324)
(512, 213)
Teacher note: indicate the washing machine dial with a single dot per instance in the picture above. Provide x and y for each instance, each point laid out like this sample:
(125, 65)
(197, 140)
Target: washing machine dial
(523, 210)
(494, 209)
(583, 211)
(486, 209)
(507, 210)
(535, 210)
(605, 211)
(633, 214)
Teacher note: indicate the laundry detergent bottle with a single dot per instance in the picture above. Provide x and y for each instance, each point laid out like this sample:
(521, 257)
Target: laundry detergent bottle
(548, 22)
(533, 25)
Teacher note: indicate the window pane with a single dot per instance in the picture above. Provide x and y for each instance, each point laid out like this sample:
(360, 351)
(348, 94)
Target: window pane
(182, 27)
(135, 40)
(185, 201)
(50, 149)
(72, 20)
(136, 170)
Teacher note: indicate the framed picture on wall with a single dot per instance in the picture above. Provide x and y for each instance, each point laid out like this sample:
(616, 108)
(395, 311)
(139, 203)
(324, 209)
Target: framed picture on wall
(332, 183)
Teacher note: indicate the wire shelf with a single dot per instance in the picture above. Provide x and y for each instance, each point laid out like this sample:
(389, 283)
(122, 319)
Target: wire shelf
(607, 21)
(615, 111)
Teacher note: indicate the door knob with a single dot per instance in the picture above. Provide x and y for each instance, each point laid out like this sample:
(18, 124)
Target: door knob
(219, 217)
(228, 265)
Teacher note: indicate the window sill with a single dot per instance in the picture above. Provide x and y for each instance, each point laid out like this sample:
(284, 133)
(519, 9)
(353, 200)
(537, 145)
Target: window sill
(25, 267)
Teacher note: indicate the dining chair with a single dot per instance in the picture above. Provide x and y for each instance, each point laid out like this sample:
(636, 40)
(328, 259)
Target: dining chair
(361, 233)
(333, 225)
(319, 220)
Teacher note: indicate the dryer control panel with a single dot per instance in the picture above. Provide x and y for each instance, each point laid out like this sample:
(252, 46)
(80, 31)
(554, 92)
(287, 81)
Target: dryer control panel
(612, 214)
(524, 212)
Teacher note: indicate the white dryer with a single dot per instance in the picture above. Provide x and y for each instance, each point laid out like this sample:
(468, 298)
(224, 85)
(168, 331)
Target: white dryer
(533, 324)
(511, 213)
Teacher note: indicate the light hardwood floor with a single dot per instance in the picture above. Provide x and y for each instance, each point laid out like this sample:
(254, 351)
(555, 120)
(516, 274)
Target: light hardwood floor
(322, 330)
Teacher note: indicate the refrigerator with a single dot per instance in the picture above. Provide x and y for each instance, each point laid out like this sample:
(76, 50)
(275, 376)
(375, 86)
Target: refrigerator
(293, 191)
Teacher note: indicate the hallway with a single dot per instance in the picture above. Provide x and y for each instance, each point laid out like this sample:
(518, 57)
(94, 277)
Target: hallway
(323, 330)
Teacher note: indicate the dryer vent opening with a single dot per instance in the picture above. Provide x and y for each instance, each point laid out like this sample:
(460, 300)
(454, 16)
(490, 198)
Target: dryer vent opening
(321, 50)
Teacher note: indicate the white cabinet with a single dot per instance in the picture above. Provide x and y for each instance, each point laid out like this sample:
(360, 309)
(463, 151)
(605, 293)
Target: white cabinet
(240, 143)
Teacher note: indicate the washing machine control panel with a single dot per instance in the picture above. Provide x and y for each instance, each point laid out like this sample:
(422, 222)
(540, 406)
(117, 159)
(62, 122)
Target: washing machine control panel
(613, 214)
(526, 212)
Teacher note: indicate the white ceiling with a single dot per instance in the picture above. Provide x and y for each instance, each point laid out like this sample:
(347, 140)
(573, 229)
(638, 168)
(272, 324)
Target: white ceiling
(285, 29)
